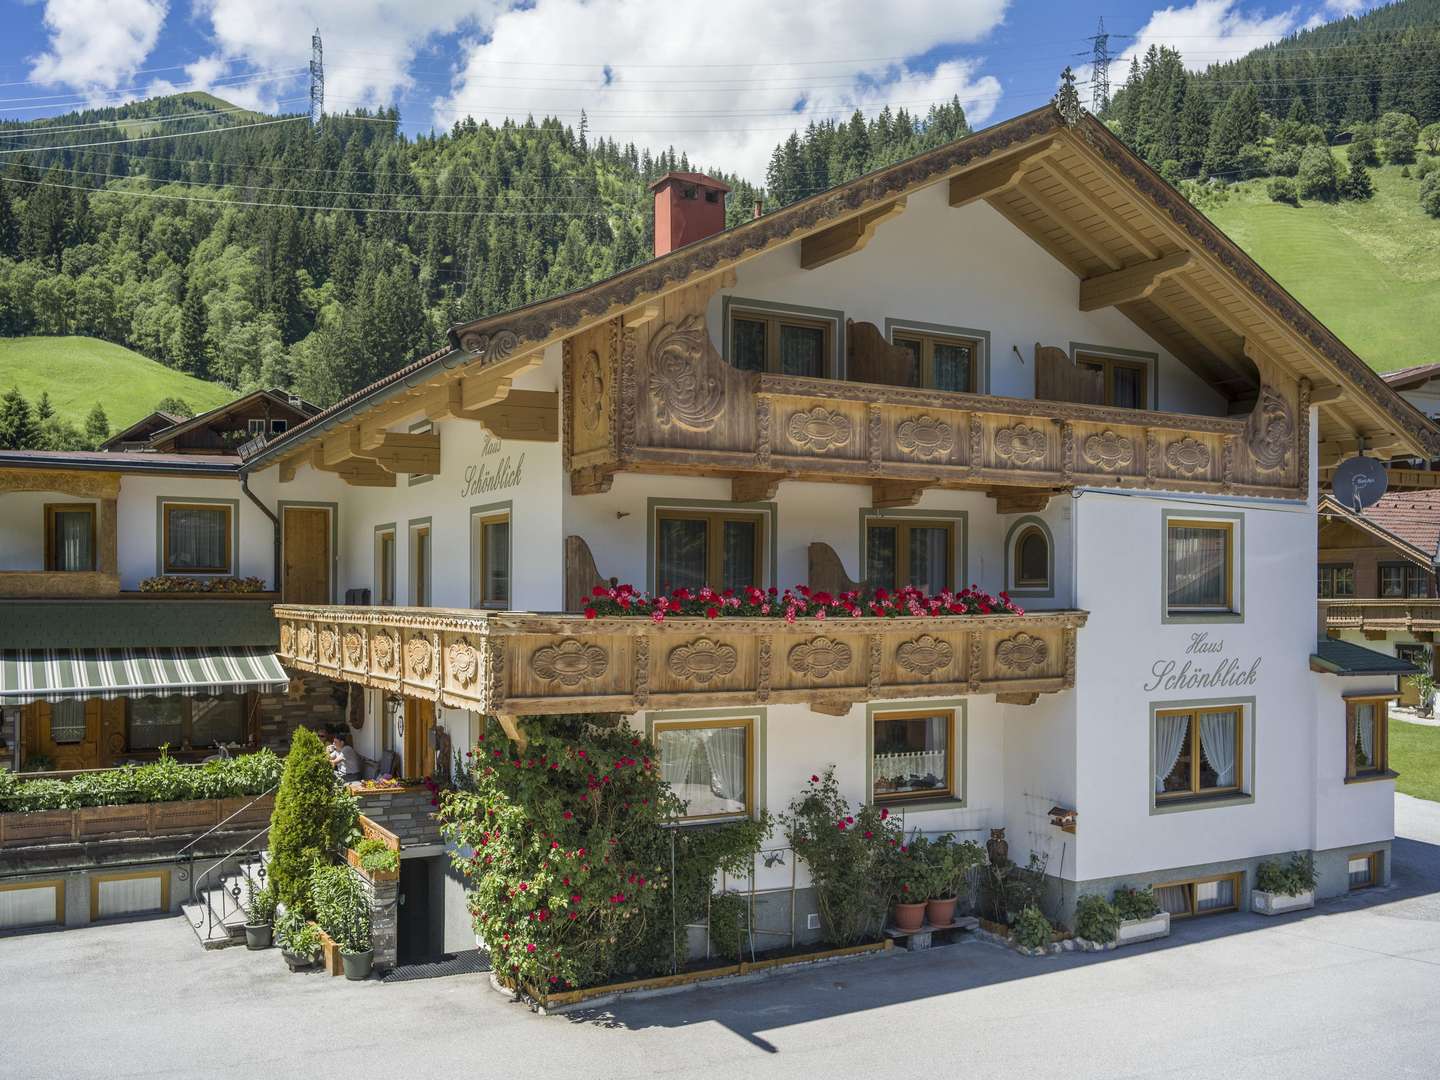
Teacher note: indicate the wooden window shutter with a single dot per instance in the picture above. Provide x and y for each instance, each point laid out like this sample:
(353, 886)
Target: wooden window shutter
(1058, 378)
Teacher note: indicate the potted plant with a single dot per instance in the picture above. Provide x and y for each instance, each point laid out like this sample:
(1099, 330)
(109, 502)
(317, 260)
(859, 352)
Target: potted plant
(1140, 916)
(949, 865)
(343, 911)
(1284, 886)
(259, 914)
(910, 884)
(299, 940)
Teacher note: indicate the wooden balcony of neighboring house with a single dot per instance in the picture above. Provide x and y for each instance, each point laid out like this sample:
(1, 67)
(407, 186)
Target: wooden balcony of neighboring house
(648, 392)
(1376, 618)
(511, 663)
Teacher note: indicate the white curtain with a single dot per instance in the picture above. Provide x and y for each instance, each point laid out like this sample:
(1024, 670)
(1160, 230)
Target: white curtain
(1217, 739)
(929, 551)
(678, 750)
(1197, 567)
(1170, 734)
(197, 538)
(1365, 728)
(72, 541)
(725, 751)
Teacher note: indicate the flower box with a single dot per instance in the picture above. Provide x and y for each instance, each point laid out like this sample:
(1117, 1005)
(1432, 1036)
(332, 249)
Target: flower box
(37, 827)
(1264, 903)
(1134, 931)
(376, 877)
(330, 953)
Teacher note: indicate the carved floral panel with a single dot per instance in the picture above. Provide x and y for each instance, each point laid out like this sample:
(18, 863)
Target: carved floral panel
(819, 429)
(819, 657)
(925, 437)
(569, 663)
(1188, 456)
(701, 660)
(683, 391)
(1022, 652)
(1108, 451)
(925, 655)
(1021, 444)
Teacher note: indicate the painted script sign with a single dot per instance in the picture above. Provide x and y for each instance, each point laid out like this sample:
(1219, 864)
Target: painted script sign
(486, 477)
(1198, 671)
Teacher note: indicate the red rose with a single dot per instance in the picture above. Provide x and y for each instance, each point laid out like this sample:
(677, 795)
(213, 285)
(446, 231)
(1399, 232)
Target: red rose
(814, 779)
(589, 613)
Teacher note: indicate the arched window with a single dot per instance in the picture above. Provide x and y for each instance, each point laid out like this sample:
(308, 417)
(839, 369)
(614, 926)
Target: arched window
(1031, 559)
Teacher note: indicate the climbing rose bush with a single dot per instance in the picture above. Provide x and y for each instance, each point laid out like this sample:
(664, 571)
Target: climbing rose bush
(568, 859)
(801, 602)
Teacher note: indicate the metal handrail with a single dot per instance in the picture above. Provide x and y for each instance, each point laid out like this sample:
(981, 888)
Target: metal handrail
(197, 893)
(219, 824)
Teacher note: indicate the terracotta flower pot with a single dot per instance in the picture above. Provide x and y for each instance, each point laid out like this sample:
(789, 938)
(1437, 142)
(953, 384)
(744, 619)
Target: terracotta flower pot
(909, 917)
(941, 912)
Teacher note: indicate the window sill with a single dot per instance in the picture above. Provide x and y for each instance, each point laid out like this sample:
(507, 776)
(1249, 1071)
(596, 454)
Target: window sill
(939, 802)
(1200, 802)
(1181, 617)
(1370, 778)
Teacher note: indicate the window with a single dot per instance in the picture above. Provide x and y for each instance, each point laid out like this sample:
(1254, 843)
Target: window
(1199, 567)
(255, 426)
(1125, 381)
(905, 551)
(1404, 580)
(1363, 869)
(939, 361)
(420, 564)
(385, 567)
(1203, 896)
(490, 548)
(183, 723)
(694, 549)
(424, 427)
(1367, 737)
(1031, 560)
(1336, 581)
(708, 764)
(197, 538)
(786, 344)
(1198, 751)
(913, 754)
(69, 536)
(278, 427)
(67, 722)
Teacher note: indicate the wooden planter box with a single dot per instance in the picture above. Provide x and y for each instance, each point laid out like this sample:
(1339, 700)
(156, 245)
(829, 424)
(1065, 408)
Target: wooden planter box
(187, 817)
(1264, 903)
(376, 877)
(38, 827)
(257, 816)
(330, 954)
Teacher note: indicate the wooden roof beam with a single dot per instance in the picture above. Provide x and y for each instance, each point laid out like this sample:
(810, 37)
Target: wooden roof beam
(1062, 218)
(1131, 283)
(994, 177)
(529, 415)
(847, 237)
(1117, 220)
(358, 472)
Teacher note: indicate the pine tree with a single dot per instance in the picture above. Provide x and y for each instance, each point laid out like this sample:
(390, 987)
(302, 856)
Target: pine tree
(46, 225)
(1357, 184)
(43, 408)
(302, 824)
(194, 347)
(9, 224)
(18, 429)
(97, 425)
(1194, 129)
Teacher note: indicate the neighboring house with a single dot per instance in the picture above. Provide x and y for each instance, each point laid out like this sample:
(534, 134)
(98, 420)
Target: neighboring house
(261, 414)
(1419, 385)
(1019, 361)
(1376, 577)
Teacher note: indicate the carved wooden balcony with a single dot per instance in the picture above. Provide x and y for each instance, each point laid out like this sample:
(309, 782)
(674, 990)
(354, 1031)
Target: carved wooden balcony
(514, 663)
(655, 396)
(1413, 615)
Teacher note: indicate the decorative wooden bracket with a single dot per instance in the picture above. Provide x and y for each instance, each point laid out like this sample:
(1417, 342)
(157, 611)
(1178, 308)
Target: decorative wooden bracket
(832, 706)
(1017, 699)
(991, 179)
(591, 480)
(1375, 635)
(895, 494)
(529, 415)
(1132, 283)
(358, 472)
(755, 487)
(397, 452)
(847, 237)
(510, 723)
(1021, 500)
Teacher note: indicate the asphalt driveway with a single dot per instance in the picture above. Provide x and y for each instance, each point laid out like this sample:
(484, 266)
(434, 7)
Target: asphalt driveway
(1351, 988)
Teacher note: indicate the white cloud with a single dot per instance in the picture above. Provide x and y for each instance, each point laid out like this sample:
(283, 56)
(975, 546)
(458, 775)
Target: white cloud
(753, 77)
(1348, 7)
(369, 44)
(1207, 32)
(95, 45)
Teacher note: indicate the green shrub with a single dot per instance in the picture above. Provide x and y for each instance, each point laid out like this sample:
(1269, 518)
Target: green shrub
(1290, 878)
(296, 936)
(376, 858)
(1032, 929)
(948, 865)
(164, 780)
(1285, 162)
(1096, 919)
(1135, 903)
(727, 926)
(341, 907)
(1361, 150)
(569, 856)
(260, 904)
(1282, 190)
(1397, 133)
(1319, 176)
(858, 860)
(1426, 166)
(312, 818)
(1430, 195)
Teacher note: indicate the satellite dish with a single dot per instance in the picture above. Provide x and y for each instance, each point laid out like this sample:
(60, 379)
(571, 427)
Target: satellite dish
(1359, 482)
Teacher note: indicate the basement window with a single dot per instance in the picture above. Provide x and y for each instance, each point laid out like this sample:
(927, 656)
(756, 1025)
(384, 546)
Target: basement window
(1201, 896)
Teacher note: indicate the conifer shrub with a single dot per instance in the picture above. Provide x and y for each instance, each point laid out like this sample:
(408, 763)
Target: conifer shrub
(575, 880)
(313, 816)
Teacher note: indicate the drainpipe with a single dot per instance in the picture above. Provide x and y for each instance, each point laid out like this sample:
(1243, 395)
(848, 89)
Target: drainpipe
(275, 521)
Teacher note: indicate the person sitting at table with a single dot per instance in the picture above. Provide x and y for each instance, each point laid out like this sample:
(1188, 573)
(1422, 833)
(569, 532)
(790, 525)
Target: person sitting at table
(344, 758)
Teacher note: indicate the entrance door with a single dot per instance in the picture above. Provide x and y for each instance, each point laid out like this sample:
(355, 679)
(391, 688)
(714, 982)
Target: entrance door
(419, 721)
(412, 923)
(67, 732)
(307, 555)
(1419, 655)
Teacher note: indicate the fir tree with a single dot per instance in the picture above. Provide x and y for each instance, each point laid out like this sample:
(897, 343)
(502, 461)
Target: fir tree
(97, 425)
(18, 429)
(9, 224)
(1357, 184)
(43, 408)
(194, 348)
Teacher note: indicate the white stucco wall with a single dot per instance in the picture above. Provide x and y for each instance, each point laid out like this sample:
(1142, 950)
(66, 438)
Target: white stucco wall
(1354, 813)
(137, 518)
(22, 527)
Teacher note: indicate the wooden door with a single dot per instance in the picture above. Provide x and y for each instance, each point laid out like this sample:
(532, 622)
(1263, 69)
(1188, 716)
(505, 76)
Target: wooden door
(68, 733)
(419, 720)
(307, 555)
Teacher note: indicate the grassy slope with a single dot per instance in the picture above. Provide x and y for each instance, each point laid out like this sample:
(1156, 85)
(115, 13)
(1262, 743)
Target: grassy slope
(79, 371)
(1415, 755)
(1370, 271)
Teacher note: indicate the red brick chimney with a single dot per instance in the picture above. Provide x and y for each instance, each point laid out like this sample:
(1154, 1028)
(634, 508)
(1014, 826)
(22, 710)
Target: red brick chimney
(688, 207)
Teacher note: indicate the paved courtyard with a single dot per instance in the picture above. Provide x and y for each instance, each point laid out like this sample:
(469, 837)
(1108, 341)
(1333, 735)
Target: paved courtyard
(1352, 988)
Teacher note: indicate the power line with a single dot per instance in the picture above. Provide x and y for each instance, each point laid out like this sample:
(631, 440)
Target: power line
(30, 132)
(151, 138)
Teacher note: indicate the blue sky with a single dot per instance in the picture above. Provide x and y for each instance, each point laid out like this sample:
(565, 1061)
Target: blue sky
(724, 87)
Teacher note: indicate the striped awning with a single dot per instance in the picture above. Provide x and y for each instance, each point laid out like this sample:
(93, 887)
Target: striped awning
(28, 675)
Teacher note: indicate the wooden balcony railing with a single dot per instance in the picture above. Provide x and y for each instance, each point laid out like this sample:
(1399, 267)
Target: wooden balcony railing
(514, 663)
(657, 397)
(1414, 615)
